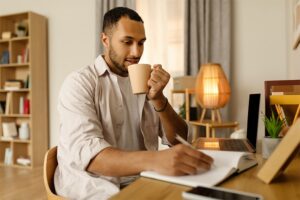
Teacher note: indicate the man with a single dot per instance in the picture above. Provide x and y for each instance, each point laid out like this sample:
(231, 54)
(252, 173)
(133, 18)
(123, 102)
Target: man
(107, 133)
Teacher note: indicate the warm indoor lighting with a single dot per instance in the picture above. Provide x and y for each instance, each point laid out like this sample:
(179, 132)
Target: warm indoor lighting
(211, 145)
(212, 89)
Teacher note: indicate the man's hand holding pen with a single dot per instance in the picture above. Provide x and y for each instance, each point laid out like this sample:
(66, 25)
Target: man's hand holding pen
(182, 159)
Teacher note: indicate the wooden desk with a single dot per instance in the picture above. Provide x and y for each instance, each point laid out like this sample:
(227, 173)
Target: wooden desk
(286, 186)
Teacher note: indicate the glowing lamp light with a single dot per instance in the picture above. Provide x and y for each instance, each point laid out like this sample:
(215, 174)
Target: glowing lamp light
(212, 89)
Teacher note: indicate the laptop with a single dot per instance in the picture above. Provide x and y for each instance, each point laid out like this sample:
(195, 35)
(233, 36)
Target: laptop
(227, 144)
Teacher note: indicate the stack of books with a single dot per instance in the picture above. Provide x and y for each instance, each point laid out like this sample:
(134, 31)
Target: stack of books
(13, 84)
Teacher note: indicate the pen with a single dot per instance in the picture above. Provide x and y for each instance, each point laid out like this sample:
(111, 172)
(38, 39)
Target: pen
(183, 141)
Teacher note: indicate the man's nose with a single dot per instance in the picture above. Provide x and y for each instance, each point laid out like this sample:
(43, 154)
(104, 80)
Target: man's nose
(136, 50)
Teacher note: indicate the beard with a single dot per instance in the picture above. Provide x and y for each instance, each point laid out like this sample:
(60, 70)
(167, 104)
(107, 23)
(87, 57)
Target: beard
(116, 61)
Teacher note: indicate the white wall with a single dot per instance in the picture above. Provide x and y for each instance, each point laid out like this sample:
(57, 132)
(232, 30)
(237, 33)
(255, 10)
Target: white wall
(259, 52)
(71, 39)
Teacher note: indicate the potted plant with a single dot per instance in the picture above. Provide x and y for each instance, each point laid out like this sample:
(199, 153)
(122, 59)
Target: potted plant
(274, 126)
(21, 28)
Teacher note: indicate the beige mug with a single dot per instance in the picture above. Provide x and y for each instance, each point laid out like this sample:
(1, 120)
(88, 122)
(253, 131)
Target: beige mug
(139, 75)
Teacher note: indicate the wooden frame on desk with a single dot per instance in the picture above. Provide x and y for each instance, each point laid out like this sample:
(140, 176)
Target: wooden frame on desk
(282, 155)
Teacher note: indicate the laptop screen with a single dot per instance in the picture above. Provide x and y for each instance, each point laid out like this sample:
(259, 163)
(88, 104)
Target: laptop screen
(253, 116)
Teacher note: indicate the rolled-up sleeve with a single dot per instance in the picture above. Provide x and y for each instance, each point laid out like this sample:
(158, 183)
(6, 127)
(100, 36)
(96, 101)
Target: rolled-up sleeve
(81, 131)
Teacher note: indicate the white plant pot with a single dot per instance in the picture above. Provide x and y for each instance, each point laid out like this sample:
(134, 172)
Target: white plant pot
(268, 146)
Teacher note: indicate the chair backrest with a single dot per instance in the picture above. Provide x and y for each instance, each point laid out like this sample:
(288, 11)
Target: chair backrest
(50, 164)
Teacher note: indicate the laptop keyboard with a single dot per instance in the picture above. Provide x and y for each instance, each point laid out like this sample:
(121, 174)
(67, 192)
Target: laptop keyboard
(233, 145)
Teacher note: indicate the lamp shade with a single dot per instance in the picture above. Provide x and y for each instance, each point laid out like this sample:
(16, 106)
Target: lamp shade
(212, 86)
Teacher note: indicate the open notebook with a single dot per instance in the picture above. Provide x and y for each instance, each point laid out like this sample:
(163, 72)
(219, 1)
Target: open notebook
(226, 163)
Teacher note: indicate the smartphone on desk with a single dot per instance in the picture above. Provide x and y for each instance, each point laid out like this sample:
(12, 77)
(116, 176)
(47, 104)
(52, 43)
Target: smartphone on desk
(213, 193)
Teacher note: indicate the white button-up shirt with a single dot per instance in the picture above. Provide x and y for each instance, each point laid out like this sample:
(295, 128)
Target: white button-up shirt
(97, 110)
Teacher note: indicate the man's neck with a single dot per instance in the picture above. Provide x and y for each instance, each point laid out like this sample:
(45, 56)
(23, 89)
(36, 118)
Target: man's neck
(113, 68)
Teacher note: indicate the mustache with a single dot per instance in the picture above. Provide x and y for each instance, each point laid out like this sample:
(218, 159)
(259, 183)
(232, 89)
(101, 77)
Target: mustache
(133, 58)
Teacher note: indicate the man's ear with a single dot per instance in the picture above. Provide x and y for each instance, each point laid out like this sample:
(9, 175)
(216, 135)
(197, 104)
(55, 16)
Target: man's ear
(105, 40)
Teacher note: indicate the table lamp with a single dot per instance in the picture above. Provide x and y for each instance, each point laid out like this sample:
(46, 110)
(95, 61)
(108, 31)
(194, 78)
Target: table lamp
(212, 90)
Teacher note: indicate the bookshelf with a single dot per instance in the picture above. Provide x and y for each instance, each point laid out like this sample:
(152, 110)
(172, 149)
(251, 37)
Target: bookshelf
(23, 66)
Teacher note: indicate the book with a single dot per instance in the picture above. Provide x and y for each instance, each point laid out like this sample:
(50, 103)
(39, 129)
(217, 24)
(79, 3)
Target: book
(9, 129)
(26, 106)
(226, 163)
(13, 84)
(9, 103)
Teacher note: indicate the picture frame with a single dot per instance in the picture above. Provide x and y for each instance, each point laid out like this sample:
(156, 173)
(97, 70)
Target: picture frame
(296, 24)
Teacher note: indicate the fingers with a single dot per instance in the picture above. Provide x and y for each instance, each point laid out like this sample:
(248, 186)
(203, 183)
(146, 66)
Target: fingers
(193, 161)
(159, 74)
(159, 78)
(199, 155)
(197, 164)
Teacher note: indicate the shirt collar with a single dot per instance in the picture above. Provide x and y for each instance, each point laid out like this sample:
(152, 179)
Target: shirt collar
(101, 66)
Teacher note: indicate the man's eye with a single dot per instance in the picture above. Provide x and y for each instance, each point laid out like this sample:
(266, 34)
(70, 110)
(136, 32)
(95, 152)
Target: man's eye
(141, 43)
(127, 42)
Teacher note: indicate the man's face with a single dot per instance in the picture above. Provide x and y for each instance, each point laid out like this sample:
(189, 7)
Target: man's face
(124, 45)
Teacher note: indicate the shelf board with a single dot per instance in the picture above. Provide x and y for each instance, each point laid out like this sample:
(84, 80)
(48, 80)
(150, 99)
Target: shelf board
(4, 165)
(21, 166)
(15, 165)
(14, 65)
(15, 140)
(19, 38)
(19, 90)
(15, 115)
(14, 39)
(4, 41)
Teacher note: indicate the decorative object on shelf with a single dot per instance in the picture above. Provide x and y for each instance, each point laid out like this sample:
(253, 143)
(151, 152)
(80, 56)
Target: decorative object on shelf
(274, 126)
(6, 35)
(4, 57)
(24, 131)
(21, 28)
(9, 130)
(8, 156)
(23, 161)
(212, 90)
(19, 59)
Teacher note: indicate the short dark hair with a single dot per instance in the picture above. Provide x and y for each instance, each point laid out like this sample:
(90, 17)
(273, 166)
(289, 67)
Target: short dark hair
(112, 17)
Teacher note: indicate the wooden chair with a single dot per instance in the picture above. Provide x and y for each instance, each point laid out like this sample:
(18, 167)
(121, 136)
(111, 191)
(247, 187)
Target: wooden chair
(50, 164)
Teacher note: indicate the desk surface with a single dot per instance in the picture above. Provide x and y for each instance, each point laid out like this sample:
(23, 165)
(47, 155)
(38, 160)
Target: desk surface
(286, 186)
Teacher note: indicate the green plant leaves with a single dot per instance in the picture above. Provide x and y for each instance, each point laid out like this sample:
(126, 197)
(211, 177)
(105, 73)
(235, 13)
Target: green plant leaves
(273, 125)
